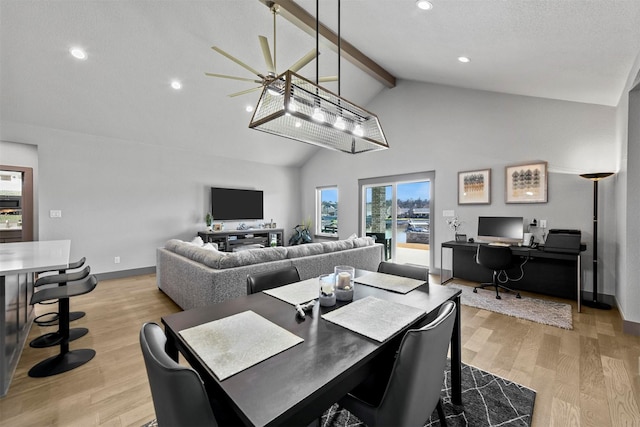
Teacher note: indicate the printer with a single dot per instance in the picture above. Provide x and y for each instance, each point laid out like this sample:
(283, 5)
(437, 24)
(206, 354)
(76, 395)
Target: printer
(564, 241)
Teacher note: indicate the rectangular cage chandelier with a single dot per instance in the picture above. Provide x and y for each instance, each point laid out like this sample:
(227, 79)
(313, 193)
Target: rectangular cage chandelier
(294, 107)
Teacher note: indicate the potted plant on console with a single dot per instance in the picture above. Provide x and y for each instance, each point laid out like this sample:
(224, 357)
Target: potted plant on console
(208, 219)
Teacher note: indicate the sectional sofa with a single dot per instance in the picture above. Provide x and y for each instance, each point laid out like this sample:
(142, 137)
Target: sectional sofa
(195, 276)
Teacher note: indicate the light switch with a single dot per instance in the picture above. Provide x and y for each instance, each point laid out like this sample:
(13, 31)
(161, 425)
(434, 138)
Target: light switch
(55, 214)
(450, 212)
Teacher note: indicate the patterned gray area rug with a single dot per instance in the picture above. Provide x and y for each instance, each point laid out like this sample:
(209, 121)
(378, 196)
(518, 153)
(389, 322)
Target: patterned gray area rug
(488, 401)
(537, 310)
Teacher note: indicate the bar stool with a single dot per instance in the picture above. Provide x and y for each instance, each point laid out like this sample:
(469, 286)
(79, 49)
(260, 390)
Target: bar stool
(54, 338)
(52, 320)
(67, 359)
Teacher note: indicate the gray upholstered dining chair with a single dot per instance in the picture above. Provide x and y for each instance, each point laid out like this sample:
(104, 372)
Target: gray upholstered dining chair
(179, 396)
(259, 282)
(404, 270)
(413, 388)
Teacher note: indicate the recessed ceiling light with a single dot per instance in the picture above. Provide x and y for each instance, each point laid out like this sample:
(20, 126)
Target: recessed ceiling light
(248, 108)
(424, 4)
(176, 84)
(78, 53)
(463, 59)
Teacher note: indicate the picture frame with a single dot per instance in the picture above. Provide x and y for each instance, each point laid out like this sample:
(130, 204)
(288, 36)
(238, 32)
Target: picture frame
(526, 183)
(461, 238)
(217, 227)
(474, 187)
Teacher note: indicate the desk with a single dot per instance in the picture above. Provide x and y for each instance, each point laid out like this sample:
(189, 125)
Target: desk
(297, 385)
(556, 274)
(18, 263)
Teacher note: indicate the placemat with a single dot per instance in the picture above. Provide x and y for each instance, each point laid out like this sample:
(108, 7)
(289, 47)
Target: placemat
(374, 318)
(296, 293)
(232, 344)
(390, 282)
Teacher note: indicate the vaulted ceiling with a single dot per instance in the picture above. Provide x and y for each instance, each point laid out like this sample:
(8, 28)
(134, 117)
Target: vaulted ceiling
(580, 50)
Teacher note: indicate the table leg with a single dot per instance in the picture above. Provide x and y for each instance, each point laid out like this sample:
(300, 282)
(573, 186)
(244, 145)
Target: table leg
(456, 358)
(579, 280)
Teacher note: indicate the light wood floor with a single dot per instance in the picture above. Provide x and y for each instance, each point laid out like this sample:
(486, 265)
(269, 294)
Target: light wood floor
(588, 376)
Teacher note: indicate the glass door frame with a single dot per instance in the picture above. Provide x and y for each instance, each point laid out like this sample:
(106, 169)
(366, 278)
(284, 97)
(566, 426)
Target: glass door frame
(394, 180)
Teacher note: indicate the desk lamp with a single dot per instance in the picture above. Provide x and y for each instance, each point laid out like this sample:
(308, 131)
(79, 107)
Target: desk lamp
(595, 177)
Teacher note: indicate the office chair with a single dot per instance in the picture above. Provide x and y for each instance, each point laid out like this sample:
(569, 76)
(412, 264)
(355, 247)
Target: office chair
(179, 396)
(413, 389)
(498, 259)
(272, 279)
(404, 270)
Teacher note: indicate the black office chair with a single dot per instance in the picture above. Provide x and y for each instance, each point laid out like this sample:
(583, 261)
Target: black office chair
(498, 259)
(414, 386)
(179, 396)
(404, 270)
(272, 279)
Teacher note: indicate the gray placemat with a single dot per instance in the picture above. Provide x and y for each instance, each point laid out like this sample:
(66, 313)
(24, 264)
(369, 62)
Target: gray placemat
(390, 282)
(297, 293)
(374, 318)
(232, 344)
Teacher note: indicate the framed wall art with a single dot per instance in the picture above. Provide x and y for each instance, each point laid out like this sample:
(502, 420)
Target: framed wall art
(474, 187)
(526, 183)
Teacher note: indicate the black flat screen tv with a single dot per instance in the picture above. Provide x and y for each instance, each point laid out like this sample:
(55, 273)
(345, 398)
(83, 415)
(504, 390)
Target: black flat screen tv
(231, 204)
(501, 229)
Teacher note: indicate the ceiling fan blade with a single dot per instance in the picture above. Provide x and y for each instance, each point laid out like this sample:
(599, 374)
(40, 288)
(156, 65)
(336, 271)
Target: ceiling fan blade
(303, 61)
(224, 76)
(328, 79)
(237, 61)
(264, 44)
(244, 92)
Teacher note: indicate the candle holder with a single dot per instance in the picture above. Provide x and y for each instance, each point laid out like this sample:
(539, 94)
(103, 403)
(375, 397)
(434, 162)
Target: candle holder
(327, 290)
(344, 275)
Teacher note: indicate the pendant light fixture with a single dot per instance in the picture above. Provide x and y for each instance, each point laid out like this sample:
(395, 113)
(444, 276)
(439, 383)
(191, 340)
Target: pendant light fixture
(296, 108)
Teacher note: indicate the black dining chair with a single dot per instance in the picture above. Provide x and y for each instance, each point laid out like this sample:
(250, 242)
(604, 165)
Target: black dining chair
(179, 396)
(259, 282)
(404, 270)
(498, 259)
(413, 388)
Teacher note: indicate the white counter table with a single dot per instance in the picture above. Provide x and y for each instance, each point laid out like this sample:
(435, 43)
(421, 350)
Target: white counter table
(18, 264)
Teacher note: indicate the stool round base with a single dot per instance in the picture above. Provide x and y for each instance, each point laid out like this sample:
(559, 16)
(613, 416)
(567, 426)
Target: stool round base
(61, 363)
(54, 338)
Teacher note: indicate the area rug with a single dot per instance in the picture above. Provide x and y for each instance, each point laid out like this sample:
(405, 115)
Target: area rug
(488, 401)
(537, 310)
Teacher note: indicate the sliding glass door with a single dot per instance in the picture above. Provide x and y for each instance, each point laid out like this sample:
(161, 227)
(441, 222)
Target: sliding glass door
(398, 214)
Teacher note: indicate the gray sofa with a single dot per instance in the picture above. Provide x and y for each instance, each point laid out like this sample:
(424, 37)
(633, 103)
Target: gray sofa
(193, 276)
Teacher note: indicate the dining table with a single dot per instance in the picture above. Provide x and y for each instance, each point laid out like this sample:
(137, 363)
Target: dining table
(295, 366)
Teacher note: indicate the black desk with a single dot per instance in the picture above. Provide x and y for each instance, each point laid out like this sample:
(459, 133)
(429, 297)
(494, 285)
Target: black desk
(297, 385)
(555, 274)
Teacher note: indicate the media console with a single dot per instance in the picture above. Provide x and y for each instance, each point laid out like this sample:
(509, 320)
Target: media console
(549, 273)
(228, 240)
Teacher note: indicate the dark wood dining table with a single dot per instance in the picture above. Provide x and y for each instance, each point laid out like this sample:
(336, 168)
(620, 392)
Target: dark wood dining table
(297, 385)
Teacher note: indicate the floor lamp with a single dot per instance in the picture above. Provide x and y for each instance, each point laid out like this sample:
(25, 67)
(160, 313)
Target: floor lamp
(594, 303)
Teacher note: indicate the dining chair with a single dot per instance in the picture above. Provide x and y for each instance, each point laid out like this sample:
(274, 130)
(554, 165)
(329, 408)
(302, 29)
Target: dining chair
(404, 270)
(259, 282)
(179, 396)
(497, 259)
(414, 385)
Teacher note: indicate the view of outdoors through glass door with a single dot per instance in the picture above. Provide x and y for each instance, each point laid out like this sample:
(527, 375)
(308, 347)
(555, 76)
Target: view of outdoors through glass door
(399, 213)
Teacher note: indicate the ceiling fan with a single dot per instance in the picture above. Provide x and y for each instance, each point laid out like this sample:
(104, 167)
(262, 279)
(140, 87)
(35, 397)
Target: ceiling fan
(270, 61)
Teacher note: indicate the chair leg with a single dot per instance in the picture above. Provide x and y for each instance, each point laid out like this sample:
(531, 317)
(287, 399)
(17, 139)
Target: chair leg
(497, 285)
(443, 419)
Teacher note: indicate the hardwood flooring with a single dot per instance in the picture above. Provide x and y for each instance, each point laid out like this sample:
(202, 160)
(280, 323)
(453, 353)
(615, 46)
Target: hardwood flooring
(588, 376)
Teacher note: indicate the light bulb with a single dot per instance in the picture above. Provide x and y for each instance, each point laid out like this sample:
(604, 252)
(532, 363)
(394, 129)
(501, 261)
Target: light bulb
(318, 115)
(463, 59)
(78, 53)
(340, 123)
(248, 108)
(358, 130)
(424, 4)
(176, 84)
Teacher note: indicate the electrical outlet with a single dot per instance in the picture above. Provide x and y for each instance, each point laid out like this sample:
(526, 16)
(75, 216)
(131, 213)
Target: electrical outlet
(55, 214)
(116, 260)
(449, 213)
(543, 223)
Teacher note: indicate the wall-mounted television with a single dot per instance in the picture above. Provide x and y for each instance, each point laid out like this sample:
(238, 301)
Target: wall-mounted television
(502, 229)
(231, 204)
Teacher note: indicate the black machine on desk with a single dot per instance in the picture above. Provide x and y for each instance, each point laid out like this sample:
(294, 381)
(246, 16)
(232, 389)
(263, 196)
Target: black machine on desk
(564, 242)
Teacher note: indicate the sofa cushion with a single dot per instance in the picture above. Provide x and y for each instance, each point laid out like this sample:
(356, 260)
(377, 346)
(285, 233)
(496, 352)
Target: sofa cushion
(252, 256)
(363, 241)
(204, 256)
(304, 250)
(337, 245)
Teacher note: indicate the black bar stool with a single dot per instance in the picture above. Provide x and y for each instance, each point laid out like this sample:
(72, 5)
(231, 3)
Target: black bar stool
(51, 318)
(54, 338)
(67, 359)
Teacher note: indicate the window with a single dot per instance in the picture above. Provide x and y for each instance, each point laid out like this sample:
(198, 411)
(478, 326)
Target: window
(327, 211)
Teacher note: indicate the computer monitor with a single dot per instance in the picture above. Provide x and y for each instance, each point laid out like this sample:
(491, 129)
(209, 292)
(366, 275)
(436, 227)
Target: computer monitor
(501, 229)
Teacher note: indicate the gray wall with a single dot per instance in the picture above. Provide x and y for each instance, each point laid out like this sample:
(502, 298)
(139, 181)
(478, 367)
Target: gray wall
(123, 198)
(447, 130)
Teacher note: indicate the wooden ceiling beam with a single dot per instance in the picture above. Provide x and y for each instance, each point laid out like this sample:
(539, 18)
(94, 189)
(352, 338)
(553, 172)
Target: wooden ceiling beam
(295, 14)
